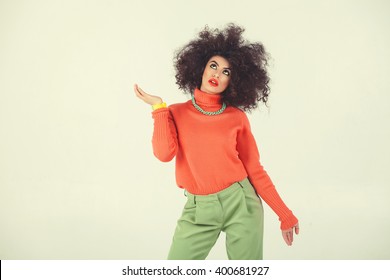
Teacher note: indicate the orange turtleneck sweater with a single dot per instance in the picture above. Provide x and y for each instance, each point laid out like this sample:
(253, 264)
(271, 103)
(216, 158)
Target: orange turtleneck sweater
(213, 152)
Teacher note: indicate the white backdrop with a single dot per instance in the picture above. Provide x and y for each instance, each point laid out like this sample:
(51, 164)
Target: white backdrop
(77, 176)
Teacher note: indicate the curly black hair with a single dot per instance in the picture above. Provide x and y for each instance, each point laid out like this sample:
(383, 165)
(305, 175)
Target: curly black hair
(248, 63)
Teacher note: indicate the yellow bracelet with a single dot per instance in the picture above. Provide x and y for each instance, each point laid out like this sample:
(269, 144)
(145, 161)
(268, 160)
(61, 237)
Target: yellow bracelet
(158, 106)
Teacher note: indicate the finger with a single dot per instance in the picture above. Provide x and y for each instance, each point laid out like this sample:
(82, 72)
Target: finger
(288, 233)
(290, 236)
(297, 230)
(138, 92)
(136, 89)
(141, 91)
(286, 238)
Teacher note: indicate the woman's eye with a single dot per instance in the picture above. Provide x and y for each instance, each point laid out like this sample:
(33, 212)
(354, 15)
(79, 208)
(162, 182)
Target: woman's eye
(213, 65)
(226, 72)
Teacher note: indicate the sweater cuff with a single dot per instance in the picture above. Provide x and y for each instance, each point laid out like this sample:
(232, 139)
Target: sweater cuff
(157, 112)
(289, 222)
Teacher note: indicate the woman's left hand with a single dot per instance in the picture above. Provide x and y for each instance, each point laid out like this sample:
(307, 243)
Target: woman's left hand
(288, 234)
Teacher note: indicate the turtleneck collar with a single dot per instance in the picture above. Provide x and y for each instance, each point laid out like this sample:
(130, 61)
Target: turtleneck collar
(207, 99)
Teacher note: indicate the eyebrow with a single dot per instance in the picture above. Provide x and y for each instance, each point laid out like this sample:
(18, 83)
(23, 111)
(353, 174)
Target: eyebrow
(218, 65)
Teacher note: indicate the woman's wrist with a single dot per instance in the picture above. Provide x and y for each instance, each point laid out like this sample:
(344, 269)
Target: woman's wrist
(159, 106)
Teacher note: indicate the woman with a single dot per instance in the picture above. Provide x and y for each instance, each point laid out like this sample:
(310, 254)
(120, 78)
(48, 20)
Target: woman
(217, 160)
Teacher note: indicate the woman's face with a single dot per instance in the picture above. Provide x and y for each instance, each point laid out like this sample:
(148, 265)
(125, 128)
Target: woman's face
(216, 75)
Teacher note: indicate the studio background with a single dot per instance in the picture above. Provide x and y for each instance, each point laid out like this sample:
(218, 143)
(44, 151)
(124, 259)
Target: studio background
(78, 179)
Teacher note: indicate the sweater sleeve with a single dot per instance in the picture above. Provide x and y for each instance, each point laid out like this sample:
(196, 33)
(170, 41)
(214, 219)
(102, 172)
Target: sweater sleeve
(250, 157)
(164, 138)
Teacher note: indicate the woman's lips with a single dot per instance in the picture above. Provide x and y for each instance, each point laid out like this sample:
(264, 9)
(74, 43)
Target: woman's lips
(213, 82)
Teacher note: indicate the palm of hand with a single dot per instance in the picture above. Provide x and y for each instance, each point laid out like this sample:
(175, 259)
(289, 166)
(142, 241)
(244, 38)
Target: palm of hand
(147, 98)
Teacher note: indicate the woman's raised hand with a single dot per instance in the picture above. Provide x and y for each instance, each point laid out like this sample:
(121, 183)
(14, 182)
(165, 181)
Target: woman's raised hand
(147, 98)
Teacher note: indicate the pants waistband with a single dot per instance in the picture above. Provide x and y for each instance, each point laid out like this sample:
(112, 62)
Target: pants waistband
(216, 196)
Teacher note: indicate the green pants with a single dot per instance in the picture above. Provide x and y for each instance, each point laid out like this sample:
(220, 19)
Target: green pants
(236, 210)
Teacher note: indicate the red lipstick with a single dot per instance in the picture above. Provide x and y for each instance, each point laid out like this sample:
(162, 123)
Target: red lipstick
(213, 82)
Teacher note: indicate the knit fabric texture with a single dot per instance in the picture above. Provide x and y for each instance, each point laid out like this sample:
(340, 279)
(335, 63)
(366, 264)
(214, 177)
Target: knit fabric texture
(213, 152)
